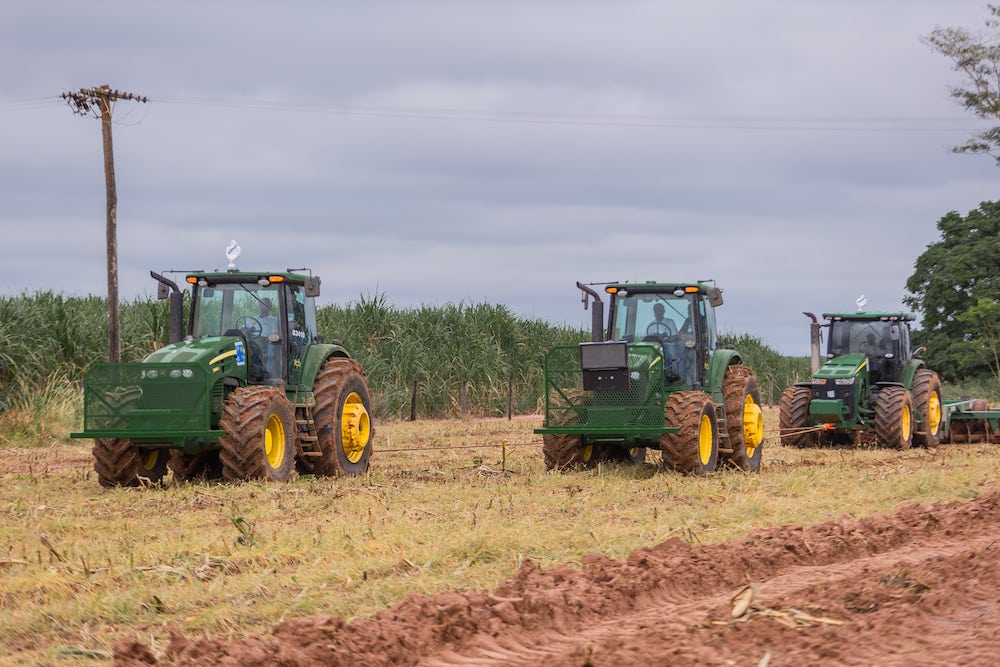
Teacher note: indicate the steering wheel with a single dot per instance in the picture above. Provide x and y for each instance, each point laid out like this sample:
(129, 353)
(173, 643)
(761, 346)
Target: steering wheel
(250, 323)
(659, 328)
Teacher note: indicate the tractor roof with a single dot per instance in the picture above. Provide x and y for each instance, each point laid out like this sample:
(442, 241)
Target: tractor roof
(871, 316)
(230, 277)
(652, 287)
(262, 278)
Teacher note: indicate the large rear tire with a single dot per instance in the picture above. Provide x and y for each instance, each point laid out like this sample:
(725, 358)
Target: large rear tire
(926, 394)
(343, 420)
(894, 417)
(120, 463)
(259, 440)
(744, 419)
(793, 417)
(694, 448)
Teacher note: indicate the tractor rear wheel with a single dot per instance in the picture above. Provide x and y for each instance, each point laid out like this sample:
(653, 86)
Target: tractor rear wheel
(120, 463)
(894, 417)
(343, 420)
(259, 440)
(205, 465)
(926, 394)
(793, 418)
(695, 447)
(744, 419)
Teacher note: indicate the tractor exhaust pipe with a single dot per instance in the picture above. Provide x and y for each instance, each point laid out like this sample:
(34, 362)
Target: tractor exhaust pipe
(597, 314)
(168, 289)
(813, 341)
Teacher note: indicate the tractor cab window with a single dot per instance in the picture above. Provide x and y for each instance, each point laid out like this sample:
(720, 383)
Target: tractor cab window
(665, 320)
(301, 328)
(246, 310)
(874, 339)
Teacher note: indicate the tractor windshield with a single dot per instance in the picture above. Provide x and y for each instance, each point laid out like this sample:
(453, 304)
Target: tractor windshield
(671, 321)
(250, 307)
(872, 338)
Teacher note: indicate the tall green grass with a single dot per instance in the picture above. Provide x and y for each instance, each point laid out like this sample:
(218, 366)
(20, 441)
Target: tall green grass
(463, 359)
(774, 372)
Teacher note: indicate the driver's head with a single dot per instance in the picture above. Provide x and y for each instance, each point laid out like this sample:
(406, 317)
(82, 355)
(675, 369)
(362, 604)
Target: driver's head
(658, 311)
(265, 307)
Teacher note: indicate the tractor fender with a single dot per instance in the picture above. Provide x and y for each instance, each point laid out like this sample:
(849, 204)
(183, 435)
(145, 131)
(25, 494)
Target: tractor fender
(315, 356)
(910, 371)
(718, 362)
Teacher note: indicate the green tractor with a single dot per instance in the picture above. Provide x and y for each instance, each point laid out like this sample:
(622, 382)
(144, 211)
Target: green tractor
(871, 383)
(874, 386)
(654, 378)
(251, 392)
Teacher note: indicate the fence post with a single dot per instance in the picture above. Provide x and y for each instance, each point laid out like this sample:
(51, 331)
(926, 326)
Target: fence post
(413, 403)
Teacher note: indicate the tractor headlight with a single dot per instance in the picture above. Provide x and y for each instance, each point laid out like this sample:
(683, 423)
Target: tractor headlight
(843, 381)
(819, 382)
(150, 374)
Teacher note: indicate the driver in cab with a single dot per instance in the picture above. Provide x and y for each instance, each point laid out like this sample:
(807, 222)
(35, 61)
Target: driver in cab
(660, 326)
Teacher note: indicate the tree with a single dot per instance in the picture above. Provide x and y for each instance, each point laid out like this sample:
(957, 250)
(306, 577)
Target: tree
(984, 318)
(977, 56)
(949, 280)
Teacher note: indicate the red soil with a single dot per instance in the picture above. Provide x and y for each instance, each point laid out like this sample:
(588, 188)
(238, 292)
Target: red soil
(919, 587)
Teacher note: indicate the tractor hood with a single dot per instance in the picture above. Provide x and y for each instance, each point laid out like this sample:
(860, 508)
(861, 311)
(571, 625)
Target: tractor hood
(844, 366)
(224, 355)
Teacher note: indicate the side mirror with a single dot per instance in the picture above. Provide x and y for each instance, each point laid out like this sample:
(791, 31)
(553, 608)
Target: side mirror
(714, 297)
(312, 286)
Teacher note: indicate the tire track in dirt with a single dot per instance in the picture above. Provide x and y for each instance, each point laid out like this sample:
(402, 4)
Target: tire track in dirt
(920, 586)
(781, 603)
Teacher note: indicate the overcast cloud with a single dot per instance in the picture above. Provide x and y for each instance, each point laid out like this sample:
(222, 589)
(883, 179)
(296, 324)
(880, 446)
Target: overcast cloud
(797, 152)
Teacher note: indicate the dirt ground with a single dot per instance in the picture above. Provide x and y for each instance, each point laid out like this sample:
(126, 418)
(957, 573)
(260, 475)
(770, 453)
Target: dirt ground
(919, 587)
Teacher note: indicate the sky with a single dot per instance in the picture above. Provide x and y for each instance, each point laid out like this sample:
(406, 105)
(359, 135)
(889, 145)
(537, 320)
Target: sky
(798, 153)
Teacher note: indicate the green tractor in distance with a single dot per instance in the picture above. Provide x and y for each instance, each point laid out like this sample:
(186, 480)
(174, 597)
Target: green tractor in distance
(655, 377)
(871, 383)
(251, 392)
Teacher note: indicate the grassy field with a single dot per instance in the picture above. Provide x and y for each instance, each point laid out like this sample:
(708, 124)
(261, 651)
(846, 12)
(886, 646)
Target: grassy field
(450, 504)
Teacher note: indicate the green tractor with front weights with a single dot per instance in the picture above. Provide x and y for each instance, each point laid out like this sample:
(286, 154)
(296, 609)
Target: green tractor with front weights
(871, 386)
(250, 392)
(654, 377)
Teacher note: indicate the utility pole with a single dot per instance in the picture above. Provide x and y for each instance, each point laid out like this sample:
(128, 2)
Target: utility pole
(96, 101)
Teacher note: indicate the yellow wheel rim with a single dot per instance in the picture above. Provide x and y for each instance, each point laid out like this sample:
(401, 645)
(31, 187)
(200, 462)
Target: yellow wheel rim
(355, 428)
(934, 413)
(904, 423)
(274, 442)
(705, 440)
(753, 426)
(149, 459)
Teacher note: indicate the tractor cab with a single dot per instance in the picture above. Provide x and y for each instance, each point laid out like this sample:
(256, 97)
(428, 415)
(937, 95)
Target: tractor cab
(883, 339)
(679, 319)
(273, 314)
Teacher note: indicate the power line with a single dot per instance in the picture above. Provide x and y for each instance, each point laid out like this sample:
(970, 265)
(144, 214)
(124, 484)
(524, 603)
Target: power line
(772, 123)
(745, 122)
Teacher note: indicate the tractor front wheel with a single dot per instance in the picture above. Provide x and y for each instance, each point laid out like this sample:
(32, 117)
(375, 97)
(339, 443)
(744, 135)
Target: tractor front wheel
(566, 450)
(793, 418)
(744, 419)
(694, 448)
(120, 463)
(926, 394)
(259, 440)
(894, 417)
(343, 420)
